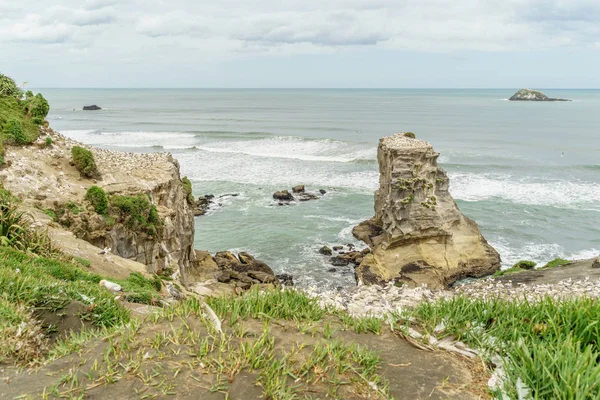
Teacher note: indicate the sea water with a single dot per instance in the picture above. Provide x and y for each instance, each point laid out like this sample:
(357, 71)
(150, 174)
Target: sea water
(528, 173)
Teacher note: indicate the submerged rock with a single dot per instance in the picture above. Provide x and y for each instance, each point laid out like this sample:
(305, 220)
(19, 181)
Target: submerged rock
(91, 108)
(532, 95)
(418, 235)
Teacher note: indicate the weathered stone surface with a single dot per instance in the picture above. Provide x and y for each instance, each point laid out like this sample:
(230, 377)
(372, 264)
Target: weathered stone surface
(298, 189)
(283, 195)
(38, 172)
(418, 235)
(286, 279)
(532, 95)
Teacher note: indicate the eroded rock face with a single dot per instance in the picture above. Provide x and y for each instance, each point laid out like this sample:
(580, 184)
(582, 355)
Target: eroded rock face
(43, 177)
(418, 235)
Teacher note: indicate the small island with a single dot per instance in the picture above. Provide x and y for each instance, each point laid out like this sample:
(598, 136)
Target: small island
(91, 108)
(532, 95)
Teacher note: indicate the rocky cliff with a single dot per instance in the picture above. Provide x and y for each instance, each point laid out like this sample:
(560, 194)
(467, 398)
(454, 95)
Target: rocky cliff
(44, 177)
(418, 235)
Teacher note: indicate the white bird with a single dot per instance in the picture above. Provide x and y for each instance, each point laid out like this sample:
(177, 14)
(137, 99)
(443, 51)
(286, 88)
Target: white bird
(106, 250)
(113, 287)
(562, 154)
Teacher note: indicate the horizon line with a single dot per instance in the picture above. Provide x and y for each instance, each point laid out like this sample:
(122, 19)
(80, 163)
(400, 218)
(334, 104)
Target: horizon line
(303, 88)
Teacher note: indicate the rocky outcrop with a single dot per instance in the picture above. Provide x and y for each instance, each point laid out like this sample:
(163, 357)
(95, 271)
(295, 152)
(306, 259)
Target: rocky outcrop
(237, 272)
(298, 193)
(43, 177)
(418, 235)
(532, 95)
(91, 108)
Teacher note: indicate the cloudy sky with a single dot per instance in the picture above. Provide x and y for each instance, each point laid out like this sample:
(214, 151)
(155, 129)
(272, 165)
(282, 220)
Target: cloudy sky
(302, 43)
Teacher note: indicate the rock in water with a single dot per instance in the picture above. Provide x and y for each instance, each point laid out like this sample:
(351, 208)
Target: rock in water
(532, 95)
(283, 195)
(420, 237)
(298, 189)
(91, 108)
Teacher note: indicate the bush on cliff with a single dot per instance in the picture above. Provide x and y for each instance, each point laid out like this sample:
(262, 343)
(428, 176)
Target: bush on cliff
(8, 88)
(97, 198)
(136, 213)
(84, 162)
(187, 188)
(38, 108)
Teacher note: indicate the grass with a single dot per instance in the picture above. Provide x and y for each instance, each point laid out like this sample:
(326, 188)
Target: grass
(557, 262)
(551, 346)
(187, 188)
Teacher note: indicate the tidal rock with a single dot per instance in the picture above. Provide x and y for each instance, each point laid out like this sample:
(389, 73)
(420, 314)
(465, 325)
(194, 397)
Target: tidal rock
(332, 270)
(418, 235)
(286, 279)
(322, 191)
(326, 251)
(298, 189)
(91, 108)
(338, 248)
(283, 195)
(532, 95)
(339, 261)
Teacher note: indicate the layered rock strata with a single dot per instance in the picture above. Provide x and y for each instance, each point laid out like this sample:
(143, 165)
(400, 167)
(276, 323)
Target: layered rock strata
(44, 177)
(418, 235)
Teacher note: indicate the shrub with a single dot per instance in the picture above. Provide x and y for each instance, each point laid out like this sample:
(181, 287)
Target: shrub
(84, 162)
(97, 197)
(38, 108)
(525, 264)
(557, 262)
(14, 130)
(136, 213)
(48, 141)
(409, 135)
(187, 188)
(9, 88)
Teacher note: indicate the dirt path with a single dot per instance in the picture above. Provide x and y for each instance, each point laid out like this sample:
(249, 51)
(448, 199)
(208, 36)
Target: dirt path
(183, 359)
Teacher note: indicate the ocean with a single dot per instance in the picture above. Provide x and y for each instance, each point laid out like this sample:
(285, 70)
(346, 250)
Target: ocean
(527, 173)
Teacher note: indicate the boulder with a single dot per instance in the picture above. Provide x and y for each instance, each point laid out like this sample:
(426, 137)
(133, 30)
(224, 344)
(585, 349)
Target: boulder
(418, 234)
(286, 279)
(298, 189)
(339, 261)
(532, 95)
(596, 263)
(91, 108)
(326, 251)
(322, 191)
(307, 197)
(283, 195)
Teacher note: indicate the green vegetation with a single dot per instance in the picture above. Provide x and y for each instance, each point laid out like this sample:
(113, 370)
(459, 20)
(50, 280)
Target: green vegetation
(410, 135)
(48, 142)
(551, 346)
(187, 188)
(557, 262)
(97, 198)
(520, 266)
(8, 88)
(20, 118)
(136, 213)
(84, 162)
(82, 261)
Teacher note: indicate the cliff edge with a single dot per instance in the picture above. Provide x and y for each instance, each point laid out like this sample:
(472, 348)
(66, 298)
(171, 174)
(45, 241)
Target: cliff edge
(54, 191)
(418, 234)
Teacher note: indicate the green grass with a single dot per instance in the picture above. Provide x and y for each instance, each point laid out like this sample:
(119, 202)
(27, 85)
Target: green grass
(187, 188)
(523, 265)
(552, 346)
(557, 262)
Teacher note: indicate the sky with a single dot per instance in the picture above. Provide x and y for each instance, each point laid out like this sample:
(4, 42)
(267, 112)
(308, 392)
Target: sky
(302, 43)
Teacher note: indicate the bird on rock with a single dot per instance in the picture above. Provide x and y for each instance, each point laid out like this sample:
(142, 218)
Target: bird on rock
(108, 285)
(106, 250)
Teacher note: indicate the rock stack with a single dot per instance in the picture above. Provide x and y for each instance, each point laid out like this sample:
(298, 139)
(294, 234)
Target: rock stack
(418, 235)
